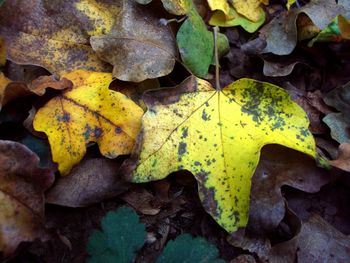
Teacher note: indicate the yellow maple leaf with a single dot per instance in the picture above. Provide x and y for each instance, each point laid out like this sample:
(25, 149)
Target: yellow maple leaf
(218, 137)
(90, 112)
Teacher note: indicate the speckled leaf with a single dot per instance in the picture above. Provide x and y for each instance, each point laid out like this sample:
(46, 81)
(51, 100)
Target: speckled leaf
(55, 34)
(121, 236)
(187, 249)
(138, 46)
(217, 136)
(90, 112)
(22, 185)
(196, 44)
(339, 122)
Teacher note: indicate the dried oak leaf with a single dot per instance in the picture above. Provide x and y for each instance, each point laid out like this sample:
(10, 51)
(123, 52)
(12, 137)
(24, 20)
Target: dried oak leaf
(56, 34)
(22, 184)
(10, 90)
(343, 159)
(175, 7)
(280, 35)
(339, 122)
(89, 112)
(278, 166)
(217, 135)
(137, 45)
(317, 241)
(91, 181)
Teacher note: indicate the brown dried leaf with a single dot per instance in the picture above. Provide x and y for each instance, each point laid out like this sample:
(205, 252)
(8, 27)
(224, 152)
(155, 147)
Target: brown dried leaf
(343, 160)
(278, 166)
(55, 34)
(12, 90)
(91, 181)
(317, 242)
(22, 184)
(138, 46)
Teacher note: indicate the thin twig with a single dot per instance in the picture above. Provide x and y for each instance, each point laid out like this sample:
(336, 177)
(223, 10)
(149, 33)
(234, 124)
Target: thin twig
(217, 66)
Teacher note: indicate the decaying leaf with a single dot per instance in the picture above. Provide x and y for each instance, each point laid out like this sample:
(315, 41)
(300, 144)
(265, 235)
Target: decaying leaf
(343, 160)
(280, 35)
(91, 181)
(280, 166)
(137, 45)
(56, 35)
(339, 122)
(317, 241)
(11, 90)
(217, 136)
(22, 184)
(90, 112)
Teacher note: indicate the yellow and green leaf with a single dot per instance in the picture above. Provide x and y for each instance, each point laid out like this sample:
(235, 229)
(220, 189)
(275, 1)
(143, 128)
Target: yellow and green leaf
(89, 112)
(217, 135)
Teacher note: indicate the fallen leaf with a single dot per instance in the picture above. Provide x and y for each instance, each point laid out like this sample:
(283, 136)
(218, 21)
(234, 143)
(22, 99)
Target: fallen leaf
(249, 8)
(289, 3)
(339, 122)
(137, 45)
(221, 5)
(22, 184)
(10, 90)
(280, 35)
(278, 166)
(317, 241)
(196, 44)
(338, 30)
(90, 112)
(343, 159)
(217, 136)
(91, 181)
(234, 19)
(56, 35)
(141, 200)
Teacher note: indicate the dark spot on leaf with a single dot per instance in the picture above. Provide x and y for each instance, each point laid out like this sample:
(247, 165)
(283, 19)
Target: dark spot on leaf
(182, 148)
(118, 130)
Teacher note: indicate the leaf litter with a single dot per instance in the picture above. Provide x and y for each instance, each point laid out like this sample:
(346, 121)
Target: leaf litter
(135, 42)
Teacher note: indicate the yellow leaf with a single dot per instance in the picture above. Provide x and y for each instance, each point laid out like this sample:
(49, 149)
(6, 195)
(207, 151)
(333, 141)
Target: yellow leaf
(90, 112)
(218, 137)
(289, 3)
(221, 5)
(249, 8)
(235, 19)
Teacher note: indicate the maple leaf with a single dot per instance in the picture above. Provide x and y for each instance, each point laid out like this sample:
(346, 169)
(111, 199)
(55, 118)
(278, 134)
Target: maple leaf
(217, 136)
(22, 186)
(90, 112)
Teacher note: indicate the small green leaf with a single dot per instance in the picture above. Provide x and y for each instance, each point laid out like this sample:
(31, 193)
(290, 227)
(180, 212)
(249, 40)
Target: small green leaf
(122, 234)
(186, 249)
(196, 44)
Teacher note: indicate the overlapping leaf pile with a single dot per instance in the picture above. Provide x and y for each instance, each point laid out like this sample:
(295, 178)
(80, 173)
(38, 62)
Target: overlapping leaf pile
(80, 85)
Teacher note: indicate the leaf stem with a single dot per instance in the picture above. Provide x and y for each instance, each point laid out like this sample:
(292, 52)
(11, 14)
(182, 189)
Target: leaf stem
(217, 66)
